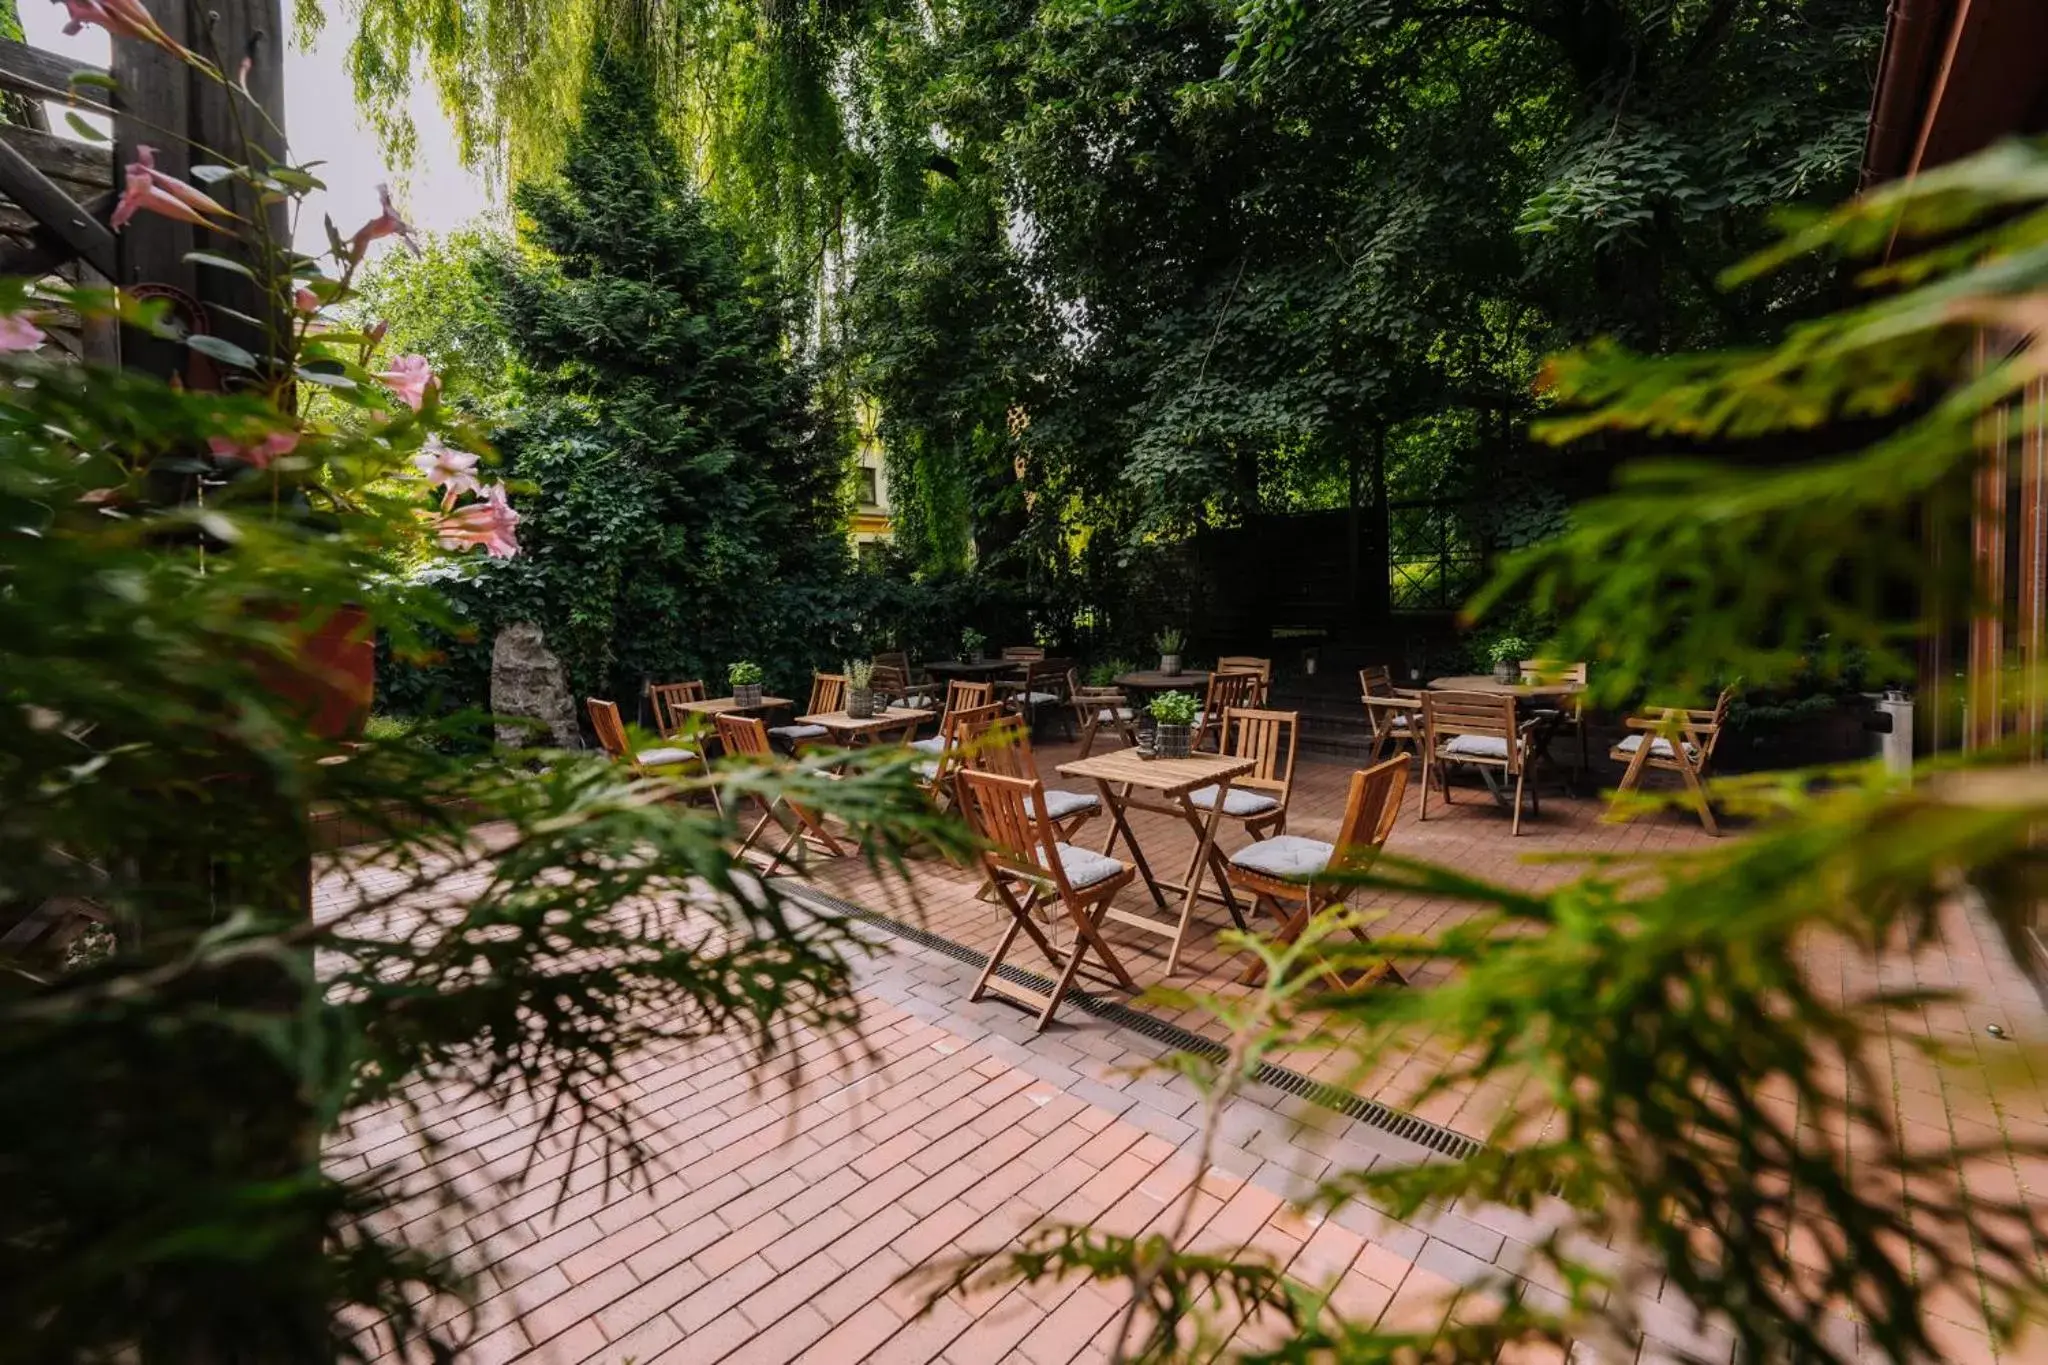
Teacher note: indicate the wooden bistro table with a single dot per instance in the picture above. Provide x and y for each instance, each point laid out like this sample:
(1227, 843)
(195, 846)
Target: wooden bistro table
(1152, 680)
(1167, 784)
(977, 668)
(723, 706)
(856, 732)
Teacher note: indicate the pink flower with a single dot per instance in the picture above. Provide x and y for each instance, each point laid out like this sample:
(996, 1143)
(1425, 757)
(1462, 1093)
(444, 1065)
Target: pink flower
(150, 189)
(385, 224)
(376, 334)
(451, 470)
(305, 300)
(17, 333)
(259, 452)
(408, 377)
(488, 523)
(122, 18)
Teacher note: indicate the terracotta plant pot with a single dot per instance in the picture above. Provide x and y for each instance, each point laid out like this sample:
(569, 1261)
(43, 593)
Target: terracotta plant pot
(335, 676)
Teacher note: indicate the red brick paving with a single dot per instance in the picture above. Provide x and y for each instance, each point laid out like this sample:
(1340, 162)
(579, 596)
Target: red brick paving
(789, 1199)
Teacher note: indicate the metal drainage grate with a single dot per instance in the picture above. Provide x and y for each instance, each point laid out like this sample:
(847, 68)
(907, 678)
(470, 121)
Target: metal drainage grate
(1437, 1138)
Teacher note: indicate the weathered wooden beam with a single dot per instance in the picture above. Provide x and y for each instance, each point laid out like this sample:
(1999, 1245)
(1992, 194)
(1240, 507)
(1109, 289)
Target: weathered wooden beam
(42, 250)
(32, 71)
(245, 31)
(88, 165)
(155, 97)
(67, 220)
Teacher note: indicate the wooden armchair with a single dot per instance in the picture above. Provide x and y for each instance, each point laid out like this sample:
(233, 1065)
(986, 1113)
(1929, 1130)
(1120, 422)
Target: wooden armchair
(828, 693)
(745, 738)
(1675, 739)
(1392, 714)
(1022, 654)
(1043, 691)
(1289, 877)
(1029, 865)
(1479, 730)
(1097, 707)
(1250, 663)
(1226, 692)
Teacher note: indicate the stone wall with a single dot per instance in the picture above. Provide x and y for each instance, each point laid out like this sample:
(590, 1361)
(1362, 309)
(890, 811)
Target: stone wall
(527, 680)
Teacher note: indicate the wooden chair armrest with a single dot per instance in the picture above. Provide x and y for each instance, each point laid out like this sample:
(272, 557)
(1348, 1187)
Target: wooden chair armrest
(1663, 722)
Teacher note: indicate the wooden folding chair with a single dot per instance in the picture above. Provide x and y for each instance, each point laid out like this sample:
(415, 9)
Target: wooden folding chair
(668, 698)
(668, 760)
(745, 738)
(1478, 730)
(1098, 707)
(1675, 739)
(1257, 800)
(1290, 877)
(1569, 713)
(1023, 852)
(946, 748)
(992, 742)
(828, 693)
(1393, 714)
(1043, 689)
(1226, 692)
(960, 696)
(1250, 663)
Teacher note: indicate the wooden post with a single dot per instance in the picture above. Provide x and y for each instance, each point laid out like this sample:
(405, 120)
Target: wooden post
(237, 31)
(154, 93)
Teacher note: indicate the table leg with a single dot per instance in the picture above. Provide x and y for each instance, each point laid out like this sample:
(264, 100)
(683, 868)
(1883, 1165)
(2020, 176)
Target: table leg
(1202, 856)
(1215, 865)
(1115, 801)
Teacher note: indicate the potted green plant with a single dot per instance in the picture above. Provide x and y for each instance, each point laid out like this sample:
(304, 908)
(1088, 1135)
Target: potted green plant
(746, 683)
(860, 688)
(1170, 642)
(1173, 721)
(971, 643)
(1507, 653)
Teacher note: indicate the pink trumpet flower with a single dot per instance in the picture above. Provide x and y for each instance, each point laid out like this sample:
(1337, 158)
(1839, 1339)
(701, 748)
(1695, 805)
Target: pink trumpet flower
(123, 19)
(259, 452)
(408, 377)
(385, 224)
(17, 333)
(150, 189)
(306, 301)
(452, 471)
(489, 523)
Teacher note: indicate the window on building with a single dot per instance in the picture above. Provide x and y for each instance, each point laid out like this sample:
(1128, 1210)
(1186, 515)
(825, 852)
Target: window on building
(868, 491)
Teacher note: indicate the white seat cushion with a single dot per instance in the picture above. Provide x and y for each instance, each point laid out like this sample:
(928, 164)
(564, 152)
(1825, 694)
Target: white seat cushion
(1235, 801)
(663, 758)
(1474, 746)
(927, 771)
(1111, 714)
(1084, 866)
(919, 702)
(935, 745)
(1285, 855)
(1039, 698)
(1660, 747)
(799, 731)
(1059, 805)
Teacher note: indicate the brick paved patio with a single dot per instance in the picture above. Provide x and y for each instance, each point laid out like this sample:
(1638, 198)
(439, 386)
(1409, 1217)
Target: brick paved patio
(790, 1200)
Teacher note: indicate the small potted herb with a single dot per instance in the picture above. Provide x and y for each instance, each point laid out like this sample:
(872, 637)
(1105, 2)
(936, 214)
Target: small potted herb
(1173, 721)
(860, 689)
(746, 684)
(971, 642)
(1169, 642)
(1507, 653)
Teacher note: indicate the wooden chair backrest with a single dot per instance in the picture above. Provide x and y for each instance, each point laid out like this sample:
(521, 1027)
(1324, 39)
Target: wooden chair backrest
(669, 715)
(611, 731)
(1710, 732)
(1049, 676)
(828, 693)
(1230, 691)
(1017, 838)
(1022, 654)
(1250, 663)
(962, 695)
(1370, 809)
(889, 680)
(1491, 714)
(743, 736)
(994, 740)
(1269, 739)
(1551, 671)
(897, 660)
(1375, 681)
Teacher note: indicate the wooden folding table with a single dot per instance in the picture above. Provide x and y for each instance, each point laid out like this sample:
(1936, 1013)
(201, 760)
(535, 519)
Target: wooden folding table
(1167, 780)
(855, 731)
